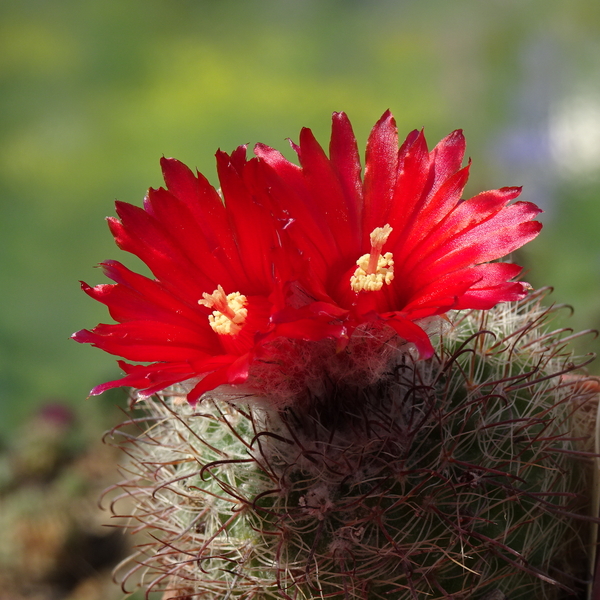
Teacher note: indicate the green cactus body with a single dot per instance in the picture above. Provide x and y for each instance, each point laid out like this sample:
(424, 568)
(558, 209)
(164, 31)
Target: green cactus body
(461, 476)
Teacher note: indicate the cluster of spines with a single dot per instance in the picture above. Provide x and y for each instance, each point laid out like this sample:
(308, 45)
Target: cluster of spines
(448, 478)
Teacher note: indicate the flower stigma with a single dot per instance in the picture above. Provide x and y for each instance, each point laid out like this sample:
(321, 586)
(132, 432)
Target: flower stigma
(230, 311)
(374, 269)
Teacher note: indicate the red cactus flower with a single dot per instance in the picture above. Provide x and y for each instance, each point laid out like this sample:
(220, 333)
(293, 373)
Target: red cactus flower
(307, 252)
(399, 244)
(216, 268)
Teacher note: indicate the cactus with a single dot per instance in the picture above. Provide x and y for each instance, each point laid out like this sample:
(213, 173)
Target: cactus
(461, 476)
(336, 402)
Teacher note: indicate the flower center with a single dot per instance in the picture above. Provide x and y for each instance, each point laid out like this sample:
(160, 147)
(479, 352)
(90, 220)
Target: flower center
(230, 311)
(374, 269)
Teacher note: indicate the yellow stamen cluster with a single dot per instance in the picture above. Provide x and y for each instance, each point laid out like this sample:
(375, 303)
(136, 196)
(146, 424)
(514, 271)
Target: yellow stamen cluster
(374, 269)
(230, 311)
(362, 281)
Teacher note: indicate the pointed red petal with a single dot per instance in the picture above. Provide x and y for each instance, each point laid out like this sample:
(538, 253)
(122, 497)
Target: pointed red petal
(447, 159)
(409, 196)
(345, 161)
(180, 180)
(150, 341)
(381, 169)
(327, 195)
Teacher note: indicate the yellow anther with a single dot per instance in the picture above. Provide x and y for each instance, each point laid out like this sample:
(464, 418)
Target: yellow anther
(374, 269)
(230, 311)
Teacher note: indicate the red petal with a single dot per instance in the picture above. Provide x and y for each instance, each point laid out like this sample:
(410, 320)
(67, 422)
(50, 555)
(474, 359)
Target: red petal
(327, 195)
(147, 378)
(178, 223)
(430, 217)
(411, 332)
(205, 204)
(493, 238)
(381, 166)
(290, 196)
(494, 287)
(447, 159)
(252, 227)
(345, 161)
(409, 196)
(207, 383)
(142, 235)
(149, 341)
(180, 180)
(137, 297)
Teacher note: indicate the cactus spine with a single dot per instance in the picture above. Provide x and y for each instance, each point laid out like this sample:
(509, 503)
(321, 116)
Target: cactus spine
(461, 476)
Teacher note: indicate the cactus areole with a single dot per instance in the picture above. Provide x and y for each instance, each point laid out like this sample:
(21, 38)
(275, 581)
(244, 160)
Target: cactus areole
(343, 396)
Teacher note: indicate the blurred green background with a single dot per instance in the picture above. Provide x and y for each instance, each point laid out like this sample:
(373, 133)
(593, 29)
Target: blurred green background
(92, 94)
